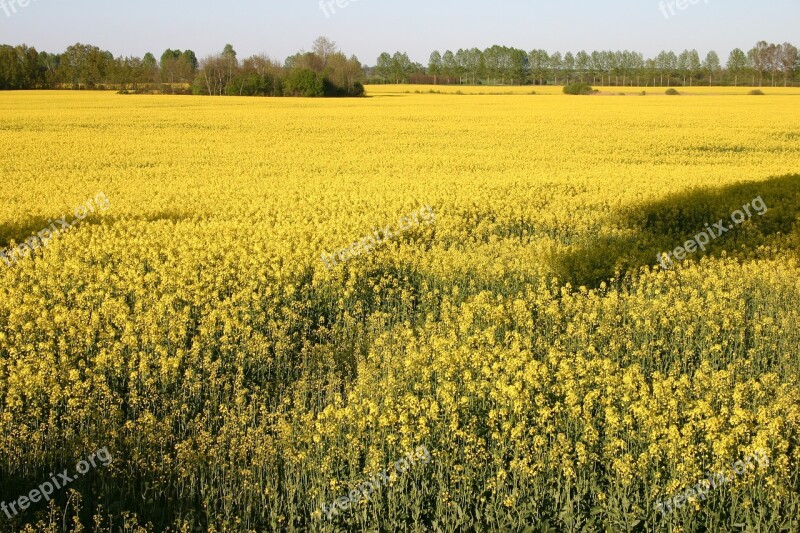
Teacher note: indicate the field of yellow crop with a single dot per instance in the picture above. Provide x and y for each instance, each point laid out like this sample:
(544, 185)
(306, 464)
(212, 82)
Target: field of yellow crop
(407, 312)
(545, 90)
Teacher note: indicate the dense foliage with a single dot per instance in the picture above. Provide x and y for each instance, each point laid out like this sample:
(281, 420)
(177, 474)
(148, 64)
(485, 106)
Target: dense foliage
(87, 67)
(180, 72)
(764, 64)
(578, 89)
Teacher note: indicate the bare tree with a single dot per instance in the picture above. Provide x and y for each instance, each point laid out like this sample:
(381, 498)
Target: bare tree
(773, 61)
(758, 59)
(788, 60)
(215, 74)
(324, 48)
(261, 64)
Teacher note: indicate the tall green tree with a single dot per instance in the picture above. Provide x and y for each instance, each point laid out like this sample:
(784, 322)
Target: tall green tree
(539, 62)
(520, 66)
(449, 65)
(491, 59)
(712, 66)
(738, 64)
(229, 57)
(788, 61)
(462, 64)
(48, 65)
(435, 66)
(84, 65)
(569, 66)
(384, 66)
(582, 64)
(758, 56)
(402, 67)
(476, 64)
(556, 66)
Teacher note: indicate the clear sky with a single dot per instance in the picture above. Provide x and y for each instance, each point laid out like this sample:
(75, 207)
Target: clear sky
(368, 27)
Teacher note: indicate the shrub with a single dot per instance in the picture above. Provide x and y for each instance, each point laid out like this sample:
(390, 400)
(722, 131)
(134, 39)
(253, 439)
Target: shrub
(305, 82)
(245, 85)
(756, 92)
(579, 89)
(358, 89)
(672, 92)
(333, 90)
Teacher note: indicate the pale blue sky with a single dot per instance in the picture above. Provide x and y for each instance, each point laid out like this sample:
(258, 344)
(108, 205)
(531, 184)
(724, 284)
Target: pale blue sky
(367, 27)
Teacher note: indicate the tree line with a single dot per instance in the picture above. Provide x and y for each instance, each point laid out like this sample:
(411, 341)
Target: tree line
(765, 63)
(324, 71)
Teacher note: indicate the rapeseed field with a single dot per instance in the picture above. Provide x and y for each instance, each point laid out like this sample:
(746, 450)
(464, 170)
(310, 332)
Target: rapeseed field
(517, 360)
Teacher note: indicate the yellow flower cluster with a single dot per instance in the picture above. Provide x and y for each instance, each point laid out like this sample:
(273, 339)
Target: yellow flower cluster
(527, 339)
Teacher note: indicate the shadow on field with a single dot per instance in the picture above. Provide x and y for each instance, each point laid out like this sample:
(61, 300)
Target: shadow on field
(663, 226)
(20, 231)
